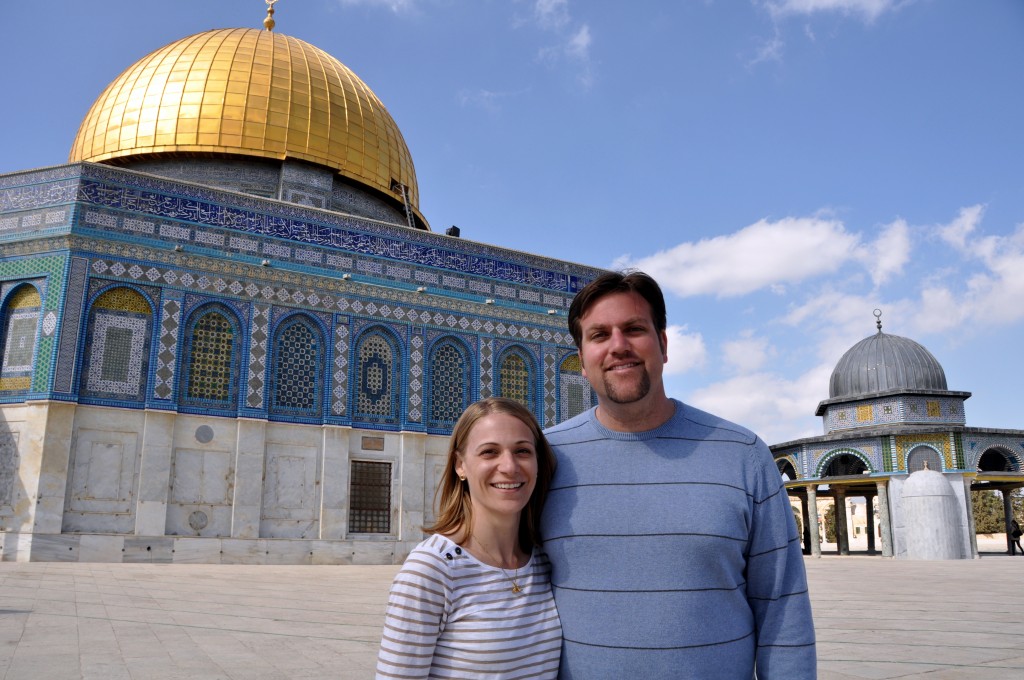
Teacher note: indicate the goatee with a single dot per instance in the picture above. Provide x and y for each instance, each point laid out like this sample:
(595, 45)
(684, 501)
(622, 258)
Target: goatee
(630, 392)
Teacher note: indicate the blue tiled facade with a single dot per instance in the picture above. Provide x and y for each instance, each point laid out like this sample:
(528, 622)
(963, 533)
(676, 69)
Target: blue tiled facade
(356, 284)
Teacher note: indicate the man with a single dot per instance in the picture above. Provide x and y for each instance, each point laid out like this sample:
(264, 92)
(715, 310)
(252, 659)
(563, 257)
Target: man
(672, 543)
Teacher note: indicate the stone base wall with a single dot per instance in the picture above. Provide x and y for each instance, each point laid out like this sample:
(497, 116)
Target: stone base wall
(97, 484)
(15, 547)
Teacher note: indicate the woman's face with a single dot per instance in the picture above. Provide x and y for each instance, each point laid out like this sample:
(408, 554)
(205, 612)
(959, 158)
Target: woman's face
(499, 462)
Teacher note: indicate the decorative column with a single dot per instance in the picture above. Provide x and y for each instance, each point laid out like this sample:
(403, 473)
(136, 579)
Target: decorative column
(971, 527)
(812, 505)
(869, 508)
(883, 517)
(842, 539)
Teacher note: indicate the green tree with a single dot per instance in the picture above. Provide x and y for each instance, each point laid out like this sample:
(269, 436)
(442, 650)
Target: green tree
(988, 512)
(799, 520)
(830, 524)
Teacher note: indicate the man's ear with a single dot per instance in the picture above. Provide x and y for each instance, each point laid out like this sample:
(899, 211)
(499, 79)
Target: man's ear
(583, 369)
(663, 339)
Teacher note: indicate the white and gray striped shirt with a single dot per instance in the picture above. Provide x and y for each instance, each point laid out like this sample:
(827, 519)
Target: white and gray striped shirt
(451, 616)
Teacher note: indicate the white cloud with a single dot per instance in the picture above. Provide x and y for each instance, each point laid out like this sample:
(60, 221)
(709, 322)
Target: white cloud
(775, 408)
(686, 351)
(956, 232)
(868, 9)
(551, 14)
(764, 254)
(889, 253)
(746, 354)
(578, 46)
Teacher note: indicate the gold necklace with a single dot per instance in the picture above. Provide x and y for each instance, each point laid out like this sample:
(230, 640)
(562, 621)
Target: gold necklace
(514, 579)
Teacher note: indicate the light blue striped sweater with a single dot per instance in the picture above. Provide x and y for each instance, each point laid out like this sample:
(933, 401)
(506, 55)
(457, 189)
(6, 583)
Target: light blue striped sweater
(675, 554)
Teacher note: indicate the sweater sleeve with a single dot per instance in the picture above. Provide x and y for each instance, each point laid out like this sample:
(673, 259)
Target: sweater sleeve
(777, 582)
(418, 605)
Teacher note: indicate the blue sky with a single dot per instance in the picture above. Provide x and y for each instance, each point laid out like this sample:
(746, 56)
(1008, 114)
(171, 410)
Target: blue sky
(782, 167)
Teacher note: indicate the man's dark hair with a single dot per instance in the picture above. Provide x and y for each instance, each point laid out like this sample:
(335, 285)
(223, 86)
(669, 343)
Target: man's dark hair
(616, 282)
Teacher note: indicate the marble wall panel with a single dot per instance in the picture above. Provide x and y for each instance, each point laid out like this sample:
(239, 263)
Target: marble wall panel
(148, 549)
(103, 477)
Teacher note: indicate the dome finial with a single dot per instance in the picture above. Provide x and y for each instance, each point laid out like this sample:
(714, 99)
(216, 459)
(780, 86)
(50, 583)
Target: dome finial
(269, 22)
(878, 319)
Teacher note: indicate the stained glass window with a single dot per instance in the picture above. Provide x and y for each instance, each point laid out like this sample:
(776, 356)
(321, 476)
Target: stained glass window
(211, 362)
(18, 325)
(298, 354)
(448, 386)
(515, 379)
(117, 346)
(370, 498)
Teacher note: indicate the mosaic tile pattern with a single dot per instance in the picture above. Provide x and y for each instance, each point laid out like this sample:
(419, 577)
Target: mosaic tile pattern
(258, 338)
(514, 378)
(117, 346)
(449, 384)
(339, 379)
(19, 325)
(575, 393)
(899, 409)
(415, 392)
(550, 388)
(827, 459)
(70, 325)
(211, 361)
(486, 368)
(938, 442)
(166, 358)
(375, 379)
(298, 354)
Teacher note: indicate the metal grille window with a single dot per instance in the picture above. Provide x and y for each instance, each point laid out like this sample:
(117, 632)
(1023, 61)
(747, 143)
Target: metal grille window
(576, 395)
(515, 379)
(370, 498)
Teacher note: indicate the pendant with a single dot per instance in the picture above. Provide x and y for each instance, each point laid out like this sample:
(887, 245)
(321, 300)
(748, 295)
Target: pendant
(515, 587)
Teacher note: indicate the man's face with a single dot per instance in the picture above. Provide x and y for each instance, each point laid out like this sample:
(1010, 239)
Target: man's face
(622, 354)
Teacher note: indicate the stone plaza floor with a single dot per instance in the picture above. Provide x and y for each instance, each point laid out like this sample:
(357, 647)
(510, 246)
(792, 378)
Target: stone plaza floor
(875, 618)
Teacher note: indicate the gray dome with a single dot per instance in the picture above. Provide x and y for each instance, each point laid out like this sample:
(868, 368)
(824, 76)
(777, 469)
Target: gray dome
(883, 363)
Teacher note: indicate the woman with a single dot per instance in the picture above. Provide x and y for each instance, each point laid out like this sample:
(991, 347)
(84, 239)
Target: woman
(474, 599)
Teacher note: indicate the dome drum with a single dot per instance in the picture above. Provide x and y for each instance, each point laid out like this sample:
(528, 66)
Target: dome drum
(253, 94)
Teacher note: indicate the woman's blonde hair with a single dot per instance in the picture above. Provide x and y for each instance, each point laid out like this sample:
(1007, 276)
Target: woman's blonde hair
(454, 507)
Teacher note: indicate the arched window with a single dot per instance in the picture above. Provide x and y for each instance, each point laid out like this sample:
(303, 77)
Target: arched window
(447, 385)
(18, 327)
(210, 378)
(515, 377)
(376, 391)
(920, 455)
(575, 394)
(117, 346)
(298, 354)
(995, 460)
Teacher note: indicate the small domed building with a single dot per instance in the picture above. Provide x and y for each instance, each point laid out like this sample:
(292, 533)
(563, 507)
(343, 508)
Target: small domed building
(890, 413)
(228, 332)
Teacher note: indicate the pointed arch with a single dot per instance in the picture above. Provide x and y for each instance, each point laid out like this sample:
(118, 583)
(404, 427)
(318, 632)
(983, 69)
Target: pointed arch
(19, 332)
(517, 376)
(448, 382)
(118, 337)
(210, 380)
(377, 383)
(922, 455)
(296, 381)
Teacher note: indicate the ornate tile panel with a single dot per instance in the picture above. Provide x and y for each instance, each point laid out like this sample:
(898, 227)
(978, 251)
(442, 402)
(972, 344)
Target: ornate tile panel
(258, 355)
(70, 325)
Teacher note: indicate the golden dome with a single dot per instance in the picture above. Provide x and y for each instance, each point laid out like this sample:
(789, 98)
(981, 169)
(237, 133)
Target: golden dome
(243, 91)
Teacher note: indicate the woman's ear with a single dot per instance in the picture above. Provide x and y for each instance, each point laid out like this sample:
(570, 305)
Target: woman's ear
(459, 470)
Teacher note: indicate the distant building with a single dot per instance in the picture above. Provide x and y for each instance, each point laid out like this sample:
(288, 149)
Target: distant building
(229, 334)
(889, 414)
